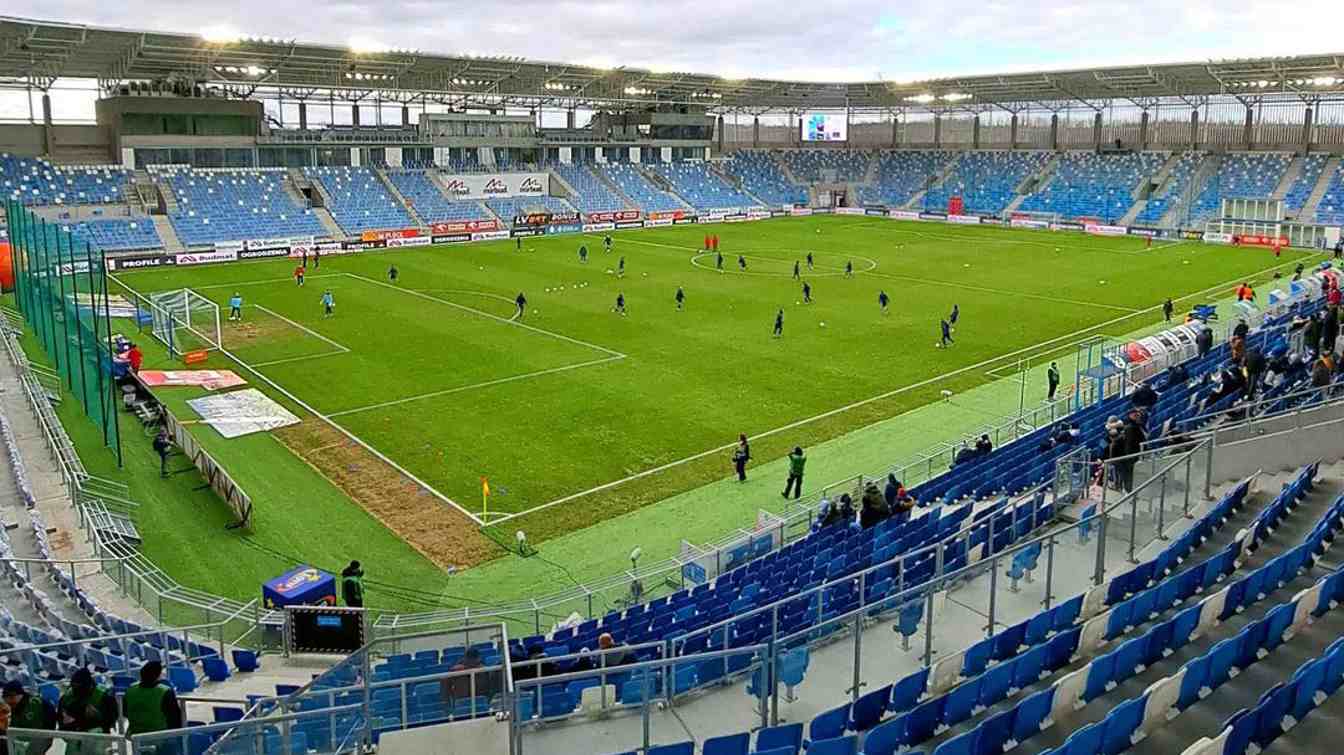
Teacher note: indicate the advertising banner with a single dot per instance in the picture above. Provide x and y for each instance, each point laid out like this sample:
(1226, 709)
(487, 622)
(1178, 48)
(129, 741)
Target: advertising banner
(964, 219)
(597, 227)
(849, 211)
(686, 219)
(464, 226)
(665, 215)
(623, 224)
(451, 238)
(611, 217)
(874, 211)
(991, 221)
(756, 214)
(490, 185)
(1064, 225)
(780, 213)
(933, 216)
(228, 246)
(489, 235)
(713, 217)
(658, 221)
(800, 212)
(417, 241)
(1039, 225)
(546, 218)
(1217, 238)
(203, 258)
(564, 228)
(252, 254)
(821, 211)
(735, 217)
(403, 233)
(1192, 235)
(903, 215)
(533, 231)
(1097, 229)
(1255, 239)
(133, 263)
(1145, 232)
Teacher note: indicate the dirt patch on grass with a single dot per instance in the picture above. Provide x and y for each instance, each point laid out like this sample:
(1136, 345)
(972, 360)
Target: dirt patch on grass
(436, 530)
(260, 328)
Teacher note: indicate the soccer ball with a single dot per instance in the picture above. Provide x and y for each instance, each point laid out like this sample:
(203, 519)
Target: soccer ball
(818, 230)
(797, 302)
(823, 325)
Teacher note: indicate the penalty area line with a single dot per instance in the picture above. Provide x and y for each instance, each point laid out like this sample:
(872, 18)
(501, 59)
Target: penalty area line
(474, 386)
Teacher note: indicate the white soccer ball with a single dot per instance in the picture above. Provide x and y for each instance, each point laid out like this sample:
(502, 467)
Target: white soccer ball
(646, 275)
(482, 267)
(797, 302)
(1102, 282)
(1056, 249)
(967, 264)
(818, 230)
(823, 325)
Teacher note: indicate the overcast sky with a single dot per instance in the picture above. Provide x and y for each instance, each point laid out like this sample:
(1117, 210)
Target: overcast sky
(838, 41)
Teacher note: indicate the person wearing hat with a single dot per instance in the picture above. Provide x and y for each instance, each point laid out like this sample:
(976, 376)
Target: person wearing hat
(86, 707)
(352, 585)
(797, 460)
(151, 705)
(27, 712)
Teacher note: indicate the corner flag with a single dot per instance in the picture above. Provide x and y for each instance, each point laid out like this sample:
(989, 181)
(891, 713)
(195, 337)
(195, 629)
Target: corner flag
(485, 494)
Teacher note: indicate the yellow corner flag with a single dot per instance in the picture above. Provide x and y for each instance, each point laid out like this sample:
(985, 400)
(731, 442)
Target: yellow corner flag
(485, 494)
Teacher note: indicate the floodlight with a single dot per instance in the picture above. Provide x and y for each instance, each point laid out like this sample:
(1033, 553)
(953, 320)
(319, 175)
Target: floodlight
(219, 35)
(366, 46)
(922, 98)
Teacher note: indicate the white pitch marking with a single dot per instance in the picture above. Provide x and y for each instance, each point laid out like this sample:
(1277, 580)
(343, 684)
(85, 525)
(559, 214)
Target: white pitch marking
(265, 281)
(863, 402)
(474, 386)
(304, 328)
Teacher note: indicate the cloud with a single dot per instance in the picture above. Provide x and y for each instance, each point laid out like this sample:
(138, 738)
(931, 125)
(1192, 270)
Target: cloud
(848, 41)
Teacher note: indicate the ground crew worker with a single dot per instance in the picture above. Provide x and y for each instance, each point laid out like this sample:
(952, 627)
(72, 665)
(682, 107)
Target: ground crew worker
(151, 705)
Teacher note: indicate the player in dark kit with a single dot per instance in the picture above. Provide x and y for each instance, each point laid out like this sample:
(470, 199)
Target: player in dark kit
(620, 268)
(583, 255)
(606, 242)
(849, 269)
(742, 263)
(883, 300)
(681, 299)
(809, 260)
(947, 334)
(518, 243)
(952, 318)
(718, 261)
(779, 323)
(797, 273)
(521, 304)
(392, 274)
(317, 259)
(620, 304)
(807, 292)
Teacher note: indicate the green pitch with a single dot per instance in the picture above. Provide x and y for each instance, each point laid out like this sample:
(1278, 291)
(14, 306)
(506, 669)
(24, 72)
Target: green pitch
(578, 414)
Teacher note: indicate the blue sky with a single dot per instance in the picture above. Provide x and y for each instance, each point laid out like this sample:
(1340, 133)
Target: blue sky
(862, 40)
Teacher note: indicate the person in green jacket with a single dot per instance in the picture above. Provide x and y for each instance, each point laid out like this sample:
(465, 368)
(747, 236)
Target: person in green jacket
(86, 707)
(797, 460)
(151, 705)
(352, 585)
(27, 712)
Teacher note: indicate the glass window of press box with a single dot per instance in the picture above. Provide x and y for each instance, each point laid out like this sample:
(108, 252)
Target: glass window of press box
(498, 129)
(180, 124)
(197, 157)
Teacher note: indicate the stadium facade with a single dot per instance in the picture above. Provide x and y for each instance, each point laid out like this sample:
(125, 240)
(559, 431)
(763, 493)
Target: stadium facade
(208, 150)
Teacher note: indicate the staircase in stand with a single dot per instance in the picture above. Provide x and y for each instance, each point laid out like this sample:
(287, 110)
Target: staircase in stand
(1288, 178)
(400, 198)
(167, 233)
(1318, 192)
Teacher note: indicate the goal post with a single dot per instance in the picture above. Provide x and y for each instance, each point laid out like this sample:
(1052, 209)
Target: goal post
(185, 321)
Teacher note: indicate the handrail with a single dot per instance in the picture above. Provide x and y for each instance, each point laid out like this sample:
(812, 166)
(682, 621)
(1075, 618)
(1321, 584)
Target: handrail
(1305, 393)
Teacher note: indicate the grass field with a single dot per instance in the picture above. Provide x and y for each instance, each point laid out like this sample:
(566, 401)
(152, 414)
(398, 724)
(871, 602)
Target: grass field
(578, 415)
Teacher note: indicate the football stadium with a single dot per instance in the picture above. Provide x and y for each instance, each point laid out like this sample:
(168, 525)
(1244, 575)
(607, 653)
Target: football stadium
(367, 399)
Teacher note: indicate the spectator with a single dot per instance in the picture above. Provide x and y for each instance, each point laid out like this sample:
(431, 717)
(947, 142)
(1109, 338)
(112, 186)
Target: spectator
(1132, 438)
(1144, 397)
(612, 654)
(1230, 382)
(1330, 329)
(983, 446)
(905, 504)
(163, 446)
(136, 357)
(1052, 381)
(1241, 330)
(964, 456)
(843, 512)
(1176, 375)
(797, 460)
(1255, 370)
(1312, 334)
(1321, 372)
(1238, 349)
(86, 707)
(1167, 309)
(28, 712)
(352, 585)
(151, 705)
(892, 491)
(1333, 297)
(464, 686)
(823, 507)
(1204, 340)
(873, 508)
(741, 456)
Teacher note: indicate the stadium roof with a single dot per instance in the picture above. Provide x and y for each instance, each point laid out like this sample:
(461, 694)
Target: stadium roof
(34, 53)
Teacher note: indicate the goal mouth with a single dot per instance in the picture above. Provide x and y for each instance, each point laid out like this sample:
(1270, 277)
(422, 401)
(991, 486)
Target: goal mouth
(185, 321)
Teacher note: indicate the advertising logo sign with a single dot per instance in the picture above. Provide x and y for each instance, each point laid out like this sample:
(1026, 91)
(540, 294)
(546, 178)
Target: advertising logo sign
(203, 258)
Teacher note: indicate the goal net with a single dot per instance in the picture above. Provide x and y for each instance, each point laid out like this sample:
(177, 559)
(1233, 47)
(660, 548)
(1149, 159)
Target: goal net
(185, 321)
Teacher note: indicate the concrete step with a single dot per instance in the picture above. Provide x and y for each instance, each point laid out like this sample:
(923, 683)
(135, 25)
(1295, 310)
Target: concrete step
(1318, 191)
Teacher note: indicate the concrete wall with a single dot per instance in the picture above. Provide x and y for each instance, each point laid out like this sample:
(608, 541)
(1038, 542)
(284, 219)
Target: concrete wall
(1282, 444)
(21, 139)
